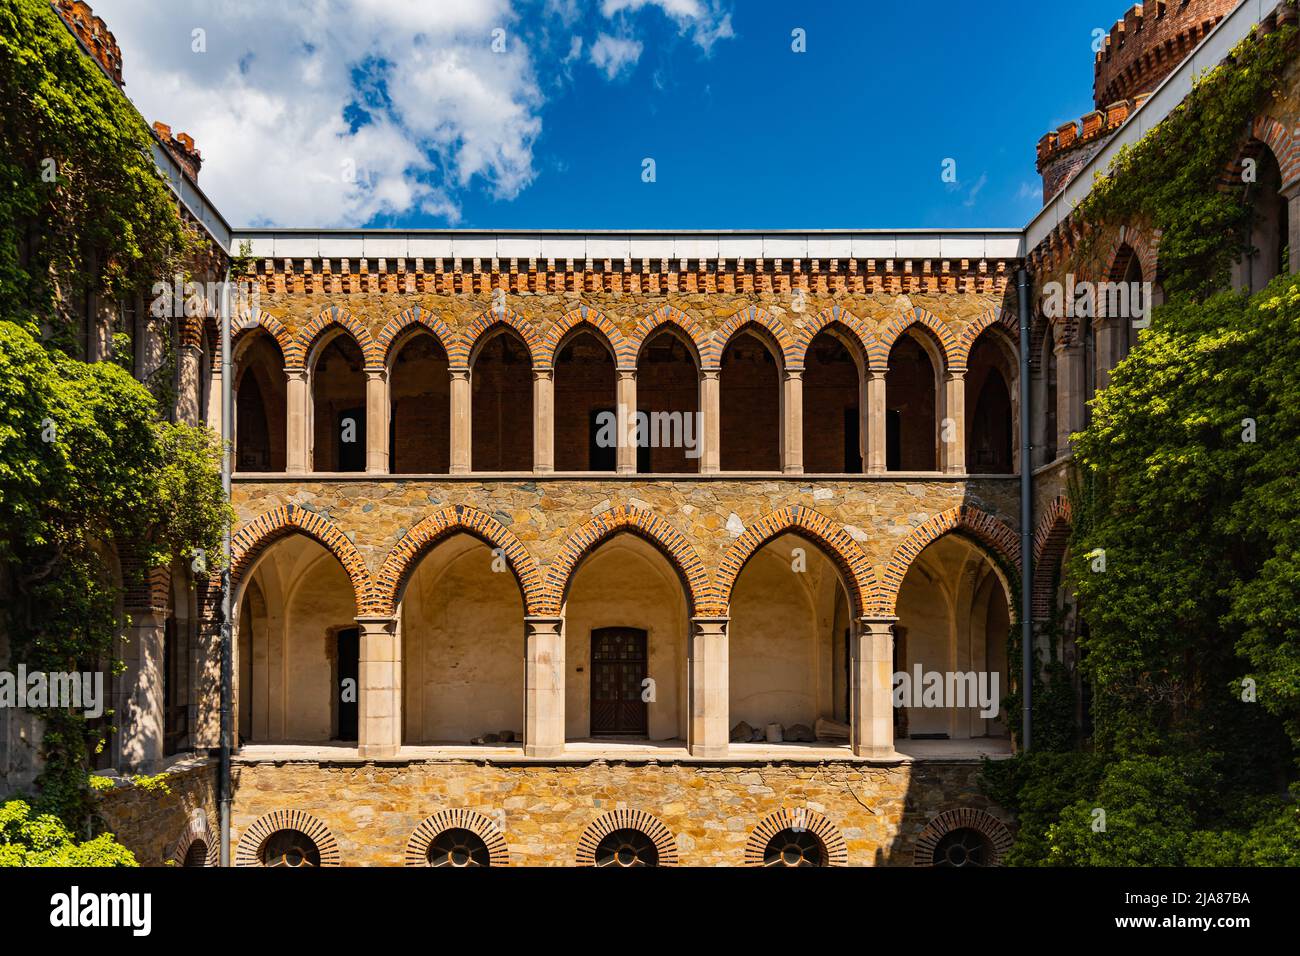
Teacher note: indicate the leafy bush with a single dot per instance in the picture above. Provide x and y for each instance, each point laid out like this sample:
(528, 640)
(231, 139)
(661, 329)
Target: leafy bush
(43, 840)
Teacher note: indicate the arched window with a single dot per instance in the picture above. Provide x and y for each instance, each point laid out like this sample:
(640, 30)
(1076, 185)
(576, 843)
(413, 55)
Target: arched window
(260, 406)
(750, 404)
(668, 393)
(990, 430)
(458, 847)
(420, 390)
(197, 854)
(1266, 253)
(1046, 395)
(290, 848)
(627, 848)
(911, 402)
(339, 407)
(832, 417)
(795, 847)
(584, 389)
(964, 846)
(502, 405)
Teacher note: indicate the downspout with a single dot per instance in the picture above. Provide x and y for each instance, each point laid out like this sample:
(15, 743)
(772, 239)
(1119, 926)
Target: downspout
(227, 437)
(1026, 521)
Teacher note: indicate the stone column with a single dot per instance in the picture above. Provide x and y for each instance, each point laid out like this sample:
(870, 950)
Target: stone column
(212, 414)
(377, 421)
(139, 703)
(1070, 396)
(952, 433)
(625, 408)
(711, 408)
(1108, 339)
(792, 422)
(1291, 193)
(379, 725)
(543, 421)
(544, 686)
(189, 389)
(1037, 421)
(872, 687)
(874, 422)
(461, 435)
(707, 674)
(298, 422)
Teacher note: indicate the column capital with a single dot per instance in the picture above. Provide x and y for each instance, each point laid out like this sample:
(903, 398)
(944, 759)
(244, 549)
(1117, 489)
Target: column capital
(711, 373)
(540, 373)
(793, 371)
(371, 621)
(543, 621)
(626, 371)
(376, 372)
(955, 372)
(295, 371)
(879, 620)
(462, 371)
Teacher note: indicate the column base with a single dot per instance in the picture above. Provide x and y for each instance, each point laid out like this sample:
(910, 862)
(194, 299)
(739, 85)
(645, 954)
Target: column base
(877, 753)
(544, 750)
(710, 751)
(372, 751)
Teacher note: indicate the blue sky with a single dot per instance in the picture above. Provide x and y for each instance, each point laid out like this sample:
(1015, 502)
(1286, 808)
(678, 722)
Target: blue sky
(495, 114)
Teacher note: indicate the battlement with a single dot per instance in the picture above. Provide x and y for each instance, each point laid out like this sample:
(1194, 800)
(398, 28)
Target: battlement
(1149, 42)
(94, 33)
(181, 146)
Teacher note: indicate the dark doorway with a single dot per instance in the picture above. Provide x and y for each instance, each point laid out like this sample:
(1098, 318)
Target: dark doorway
(618, 666)
(352, 439)
(348, 669)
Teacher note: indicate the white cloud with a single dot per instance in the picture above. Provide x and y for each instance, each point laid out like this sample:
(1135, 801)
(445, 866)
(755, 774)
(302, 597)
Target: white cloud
(613, 55)
(706, 23)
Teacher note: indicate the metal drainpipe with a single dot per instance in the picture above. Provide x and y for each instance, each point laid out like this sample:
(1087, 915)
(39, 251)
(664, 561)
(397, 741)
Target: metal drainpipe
(1026, 520)
(227, 436)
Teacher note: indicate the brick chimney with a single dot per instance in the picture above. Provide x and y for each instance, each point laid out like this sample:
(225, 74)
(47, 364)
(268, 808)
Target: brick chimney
(92, 31)
(181, 146)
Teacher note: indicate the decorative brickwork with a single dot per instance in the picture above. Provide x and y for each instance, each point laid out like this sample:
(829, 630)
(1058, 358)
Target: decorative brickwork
(417, 848)
(859, 578)
(331, 317)
(197, 831)
(255, 319)
(417, 542)
(990, 827)
(664, 315)
(797, 819)
(939, 331)
(970, 335)
(625, 819)
(647, 525)
(1050, 541)
(980, 525)
(481, 328)
(249, 850)
(92, 32)
(853, 328)
(594, 319)
(755, 316)
(406, 320)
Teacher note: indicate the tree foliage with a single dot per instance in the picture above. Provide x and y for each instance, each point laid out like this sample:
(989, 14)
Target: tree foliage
(29, 839)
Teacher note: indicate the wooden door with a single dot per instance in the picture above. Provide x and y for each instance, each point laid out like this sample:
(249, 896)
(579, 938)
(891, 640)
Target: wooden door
(618, 666)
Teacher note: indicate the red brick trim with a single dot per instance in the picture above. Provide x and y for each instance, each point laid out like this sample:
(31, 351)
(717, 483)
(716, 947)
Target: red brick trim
(437, 527)
(393, 333)
(936, 328)
(249, 850)
(249, 323)
(994, 830)
(751, 316)
(625, 819)
(646, 525)
(799, 818)
(1050, 541)
(598, 323)
(197, 829)
(664, 315)
(1275, 135)
(267, 528)
(807, 523)
(973, 522)
(417, 847)
(834, 316)
(333, 316)
(1005, 318)
(485, 325)
(191, 332)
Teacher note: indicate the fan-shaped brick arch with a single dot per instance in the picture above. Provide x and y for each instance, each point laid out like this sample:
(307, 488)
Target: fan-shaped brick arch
(993, 830)
(923, 318)
(411, 318)
(653, 528)
(797, 818)
(984, 527)
(417, 847)
(752, 315)
(333, 316)
(249, 850)
(1279, 138)
(664, 315)
(270, 526)
(1050, 541)
(582, 315)
(835, 315)
(970, 335)
(483, 326)
(253, 320)
(437, 527)
(197, 830)
(625, 819)
(808, 523)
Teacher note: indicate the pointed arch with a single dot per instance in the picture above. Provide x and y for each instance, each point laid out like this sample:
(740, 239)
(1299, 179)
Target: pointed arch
(335, 317)
(392, 334)
(1050, 541)
(1003, 318)
(852, 561)
(935, 328)
(436, 528)
(664, 315)
(597, 322)
(468, 345)
(253, 539)
(647, 525)
(249, 323)
(752, 315)
(834, 316)
(985, 528)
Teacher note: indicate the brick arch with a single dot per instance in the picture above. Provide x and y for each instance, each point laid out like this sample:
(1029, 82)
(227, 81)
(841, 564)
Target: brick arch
(1004, 318)
(921, 318)
(807, 523)
(250, 323)
(1050, 541)
(1280, 139)
(993, 830)
(664, 315)
(197, 830)
(269, 527)
(249, 850)
(417, 847)
(596, 321)
(645, 524)
(438, 527)
(333, 316)
(841, 317)
(798, 818)
(413, 317)
(752, 315)
(972, 522)
(626, 819)
(478, 331)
